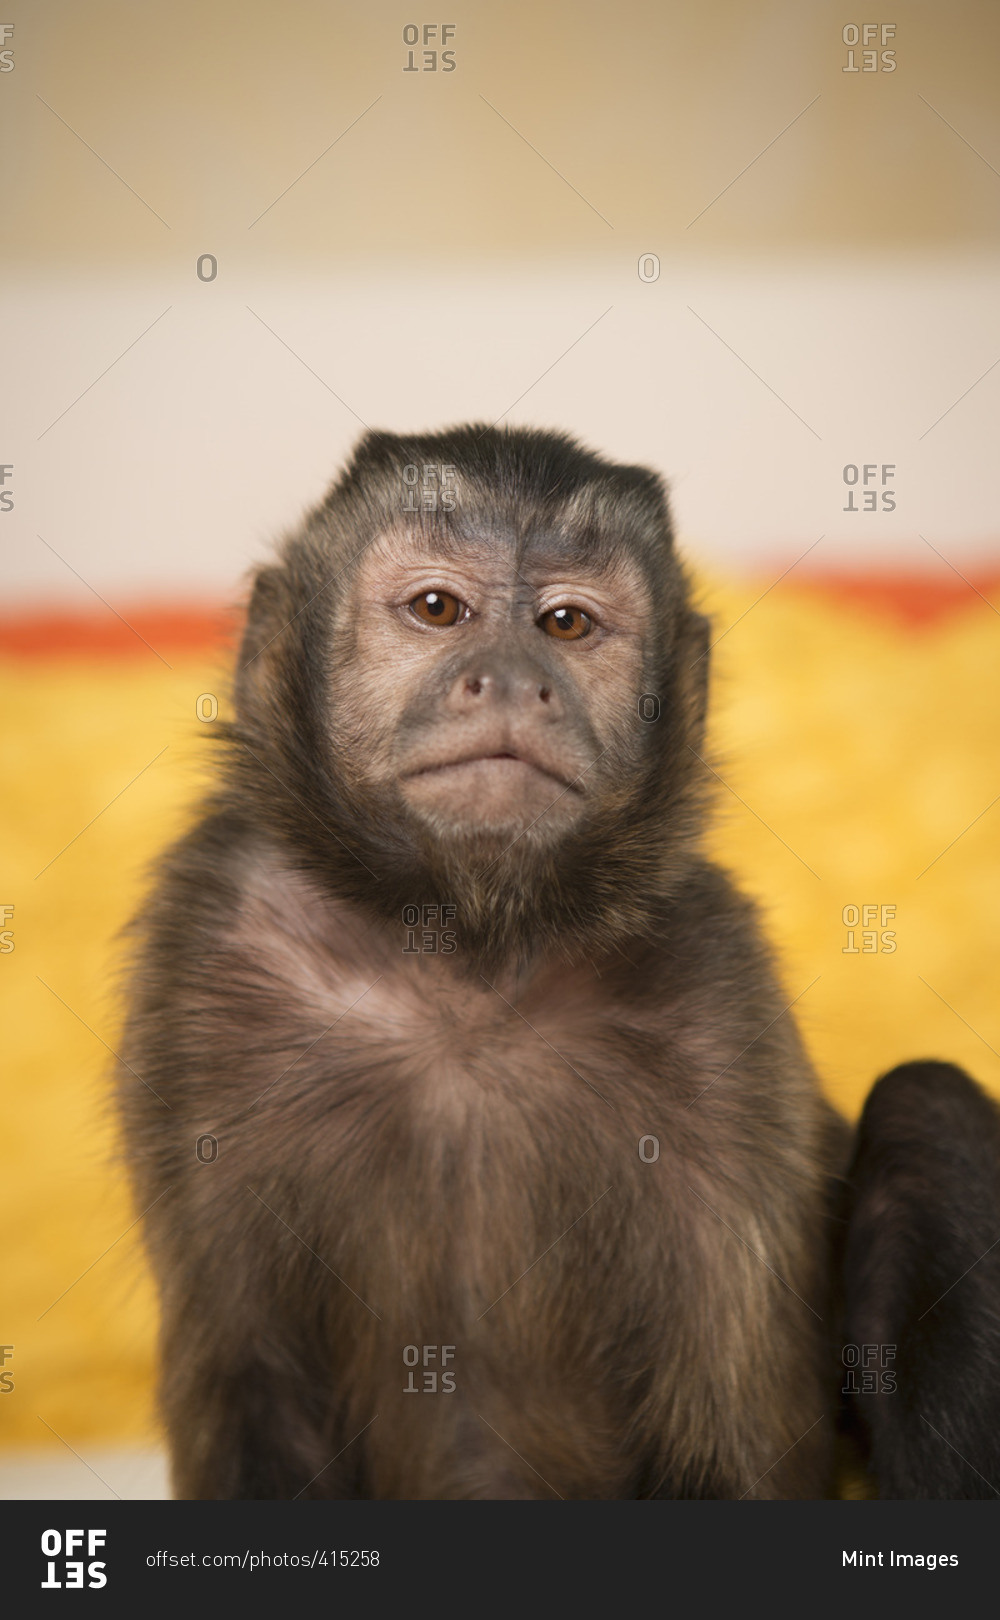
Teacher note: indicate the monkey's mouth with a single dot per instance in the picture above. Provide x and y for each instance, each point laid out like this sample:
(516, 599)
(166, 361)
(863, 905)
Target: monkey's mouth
(503, 768)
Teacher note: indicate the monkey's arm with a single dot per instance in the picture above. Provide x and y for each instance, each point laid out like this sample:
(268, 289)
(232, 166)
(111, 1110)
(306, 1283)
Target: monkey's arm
(922, 1283)
(245, 1396)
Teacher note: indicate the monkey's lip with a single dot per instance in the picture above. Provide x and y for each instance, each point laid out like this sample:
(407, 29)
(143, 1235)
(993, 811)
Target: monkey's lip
(515, 760)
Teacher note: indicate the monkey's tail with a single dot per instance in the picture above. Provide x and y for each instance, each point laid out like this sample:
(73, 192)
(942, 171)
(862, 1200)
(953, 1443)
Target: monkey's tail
(921, 1359)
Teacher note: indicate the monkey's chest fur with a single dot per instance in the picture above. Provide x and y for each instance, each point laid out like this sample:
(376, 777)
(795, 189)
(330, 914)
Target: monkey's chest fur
(560, 1235)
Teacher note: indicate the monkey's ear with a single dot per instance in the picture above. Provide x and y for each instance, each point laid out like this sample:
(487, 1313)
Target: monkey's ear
(268, 614)
(692, 670)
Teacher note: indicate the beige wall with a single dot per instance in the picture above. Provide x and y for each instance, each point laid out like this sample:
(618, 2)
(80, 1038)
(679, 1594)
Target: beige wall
(827, 291)
(210, 110)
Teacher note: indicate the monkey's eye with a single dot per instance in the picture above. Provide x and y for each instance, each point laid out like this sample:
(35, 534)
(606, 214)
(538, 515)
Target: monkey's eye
(438, 608)
(567, 623)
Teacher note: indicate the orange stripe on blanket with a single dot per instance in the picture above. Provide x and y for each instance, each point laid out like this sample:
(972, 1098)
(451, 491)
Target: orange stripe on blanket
(102, 634)
(911, 599)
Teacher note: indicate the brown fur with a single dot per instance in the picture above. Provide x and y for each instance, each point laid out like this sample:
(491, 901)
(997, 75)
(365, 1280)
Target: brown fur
(441, 1147)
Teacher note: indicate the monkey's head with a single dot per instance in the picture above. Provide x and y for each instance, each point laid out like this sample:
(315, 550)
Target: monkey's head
(475, 679)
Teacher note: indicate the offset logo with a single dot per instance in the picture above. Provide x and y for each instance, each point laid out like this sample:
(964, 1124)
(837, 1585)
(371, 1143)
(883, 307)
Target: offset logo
(66, 1566)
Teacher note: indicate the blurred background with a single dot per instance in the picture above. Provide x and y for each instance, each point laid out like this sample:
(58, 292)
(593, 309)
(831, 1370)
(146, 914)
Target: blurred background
(751, 244)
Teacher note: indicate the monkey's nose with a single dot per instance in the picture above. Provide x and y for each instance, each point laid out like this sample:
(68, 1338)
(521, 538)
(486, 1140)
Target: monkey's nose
(486, 684)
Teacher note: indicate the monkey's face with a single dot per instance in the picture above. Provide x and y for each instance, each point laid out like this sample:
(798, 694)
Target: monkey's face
(489, 688)
(446, 707)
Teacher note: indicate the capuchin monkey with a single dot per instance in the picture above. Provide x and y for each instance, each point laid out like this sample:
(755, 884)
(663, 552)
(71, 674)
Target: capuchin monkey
(479, 1153)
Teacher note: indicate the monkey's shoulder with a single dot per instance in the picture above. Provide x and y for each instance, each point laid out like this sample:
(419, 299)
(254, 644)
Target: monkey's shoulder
(225, 895)
(704, 937)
